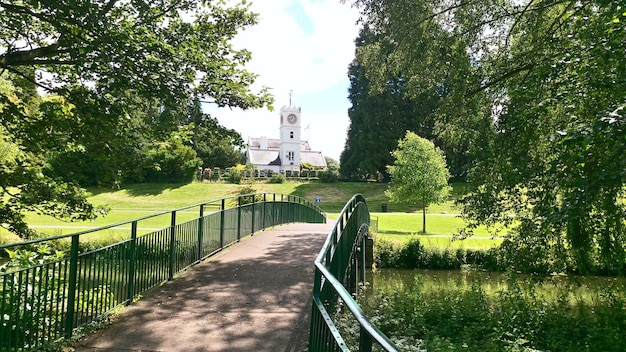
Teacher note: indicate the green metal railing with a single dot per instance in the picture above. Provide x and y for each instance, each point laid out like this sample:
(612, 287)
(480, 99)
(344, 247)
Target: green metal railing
(48, 301)
(338, 267)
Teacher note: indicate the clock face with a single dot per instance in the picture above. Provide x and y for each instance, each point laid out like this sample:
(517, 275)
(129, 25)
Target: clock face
(292, 118)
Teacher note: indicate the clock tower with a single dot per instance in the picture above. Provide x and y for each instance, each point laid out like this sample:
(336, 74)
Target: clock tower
(290, 137)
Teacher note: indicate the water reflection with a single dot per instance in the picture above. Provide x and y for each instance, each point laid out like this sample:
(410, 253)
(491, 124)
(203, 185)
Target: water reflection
(394, 281)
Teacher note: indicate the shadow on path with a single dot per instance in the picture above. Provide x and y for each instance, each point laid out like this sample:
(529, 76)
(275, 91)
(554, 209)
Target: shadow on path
(254, 296)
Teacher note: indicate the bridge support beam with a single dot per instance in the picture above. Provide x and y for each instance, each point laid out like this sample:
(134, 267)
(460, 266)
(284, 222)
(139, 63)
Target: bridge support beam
(369, 252)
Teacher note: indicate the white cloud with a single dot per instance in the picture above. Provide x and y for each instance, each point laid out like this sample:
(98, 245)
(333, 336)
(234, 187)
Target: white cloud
(306, 58)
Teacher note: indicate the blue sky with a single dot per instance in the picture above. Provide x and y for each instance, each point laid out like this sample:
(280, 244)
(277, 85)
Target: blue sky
(304, 46)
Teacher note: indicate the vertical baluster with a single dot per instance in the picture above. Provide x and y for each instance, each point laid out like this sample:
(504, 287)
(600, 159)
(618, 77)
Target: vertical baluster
(172, 245)
(201, 233)
(222, 213)
(71, 295)
(132, 260)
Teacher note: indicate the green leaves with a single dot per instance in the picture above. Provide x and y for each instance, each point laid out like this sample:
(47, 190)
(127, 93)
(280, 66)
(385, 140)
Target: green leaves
(419, 174)
(534, 91)
(116, 77)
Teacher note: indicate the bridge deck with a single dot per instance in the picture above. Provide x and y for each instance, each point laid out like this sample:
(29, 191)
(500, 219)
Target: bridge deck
(253, 296)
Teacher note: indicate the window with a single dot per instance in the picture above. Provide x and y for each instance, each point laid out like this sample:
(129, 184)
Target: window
(290, 156)
(291, 134)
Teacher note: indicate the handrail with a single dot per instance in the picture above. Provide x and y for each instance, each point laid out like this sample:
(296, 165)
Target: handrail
(164, 212)
(348, 234)
(47, 301)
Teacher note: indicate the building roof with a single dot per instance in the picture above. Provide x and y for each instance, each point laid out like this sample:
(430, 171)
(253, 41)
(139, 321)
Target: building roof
(255, 143)
(263, 157)
(315, 158)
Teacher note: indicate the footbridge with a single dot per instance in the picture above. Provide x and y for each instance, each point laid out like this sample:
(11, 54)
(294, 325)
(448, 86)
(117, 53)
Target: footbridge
(261, 272)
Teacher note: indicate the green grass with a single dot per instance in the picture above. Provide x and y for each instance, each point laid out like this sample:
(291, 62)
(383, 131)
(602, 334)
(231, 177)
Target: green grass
(140, 200)
(440, 229)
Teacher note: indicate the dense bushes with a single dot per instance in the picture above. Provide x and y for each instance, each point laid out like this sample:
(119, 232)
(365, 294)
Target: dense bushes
(414, 255)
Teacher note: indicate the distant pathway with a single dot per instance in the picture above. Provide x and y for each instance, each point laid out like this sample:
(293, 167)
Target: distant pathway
(253, 296)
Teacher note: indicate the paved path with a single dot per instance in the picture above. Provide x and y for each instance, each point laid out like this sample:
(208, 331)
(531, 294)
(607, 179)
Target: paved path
(253, 296)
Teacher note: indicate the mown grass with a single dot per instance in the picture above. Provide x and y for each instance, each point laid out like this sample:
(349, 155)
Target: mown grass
(141, 200)
(440, 230)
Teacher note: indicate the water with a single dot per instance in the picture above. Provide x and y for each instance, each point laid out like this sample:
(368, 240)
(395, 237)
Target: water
(388, 281)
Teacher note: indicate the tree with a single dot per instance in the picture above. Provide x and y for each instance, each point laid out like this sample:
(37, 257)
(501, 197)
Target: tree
(100, 57)
(380, 115)
(216, 145)
(535, 88)
(419, 174)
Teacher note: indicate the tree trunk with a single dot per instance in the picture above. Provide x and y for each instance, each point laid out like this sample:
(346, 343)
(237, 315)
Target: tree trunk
(423, 217)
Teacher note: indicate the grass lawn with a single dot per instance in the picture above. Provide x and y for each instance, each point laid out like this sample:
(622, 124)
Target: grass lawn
(401, 223)
(440, 228)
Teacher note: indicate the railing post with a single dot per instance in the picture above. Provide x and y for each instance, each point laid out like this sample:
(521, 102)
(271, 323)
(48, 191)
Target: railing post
(253, 215)
(274, 208)
(71, 290)
(130, 292)
(172, 245)
(238, 218)
(365, 341)
(281, 216)
(201, 232)
(263, 211)
(222, 223)
(363, 257)
(289, 211)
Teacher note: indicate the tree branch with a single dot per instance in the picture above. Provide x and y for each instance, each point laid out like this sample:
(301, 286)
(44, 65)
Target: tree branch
(18, 58)
(499, 79)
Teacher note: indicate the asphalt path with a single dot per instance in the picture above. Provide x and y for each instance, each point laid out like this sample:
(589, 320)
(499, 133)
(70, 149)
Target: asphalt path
(253, 296)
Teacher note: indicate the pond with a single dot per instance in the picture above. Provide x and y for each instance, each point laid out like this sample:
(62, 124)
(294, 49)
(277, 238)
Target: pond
(386, 281)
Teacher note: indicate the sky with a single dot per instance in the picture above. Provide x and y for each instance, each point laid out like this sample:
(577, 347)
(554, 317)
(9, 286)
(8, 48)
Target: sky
(304, 46)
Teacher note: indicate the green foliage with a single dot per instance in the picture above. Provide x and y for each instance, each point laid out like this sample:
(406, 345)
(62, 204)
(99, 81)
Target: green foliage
(378, 119)
(233, 176)
(414, 255)
(539, 103)
(328, 176)
(277, 178)
(246, 195)
(419, 174)
(29, 324)
(172, 161)
(216, 145)
(120, 76)
(332, 165)
(516, 318)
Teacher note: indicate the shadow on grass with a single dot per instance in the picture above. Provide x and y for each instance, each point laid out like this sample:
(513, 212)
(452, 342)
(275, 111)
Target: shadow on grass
(151, 189)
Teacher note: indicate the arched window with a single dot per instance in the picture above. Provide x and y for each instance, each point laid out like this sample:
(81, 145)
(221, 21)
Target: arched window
(291, 134)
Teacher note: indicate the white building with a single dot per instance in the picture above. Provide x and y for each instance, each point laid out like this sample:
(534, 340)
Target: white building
(288, 152)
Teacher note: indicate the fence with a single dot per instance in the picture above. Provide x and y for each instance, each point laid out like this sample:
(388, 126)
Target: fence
(49, 300)
(338, 267)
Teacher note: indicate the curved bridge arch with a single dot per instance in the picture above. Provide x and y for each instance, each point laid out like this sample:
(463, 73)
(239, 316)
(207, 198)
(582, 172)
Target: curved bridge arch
(338, 267)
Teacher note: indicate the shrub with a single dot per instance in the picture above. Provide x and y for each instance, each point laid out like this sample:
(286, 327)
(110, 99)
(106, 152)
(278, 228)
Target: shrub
(277, 178)
(246, 195)
(233, 176)
(327, 177)
(386, 253)
(413, 255)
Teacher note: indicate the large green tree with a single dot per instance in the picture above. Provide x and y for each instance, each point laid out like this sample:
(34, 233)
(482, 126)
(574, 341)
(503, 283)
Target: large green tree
(419, 175)
(94, 61)
(538, 89)
(378, 119)
(215, 144)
